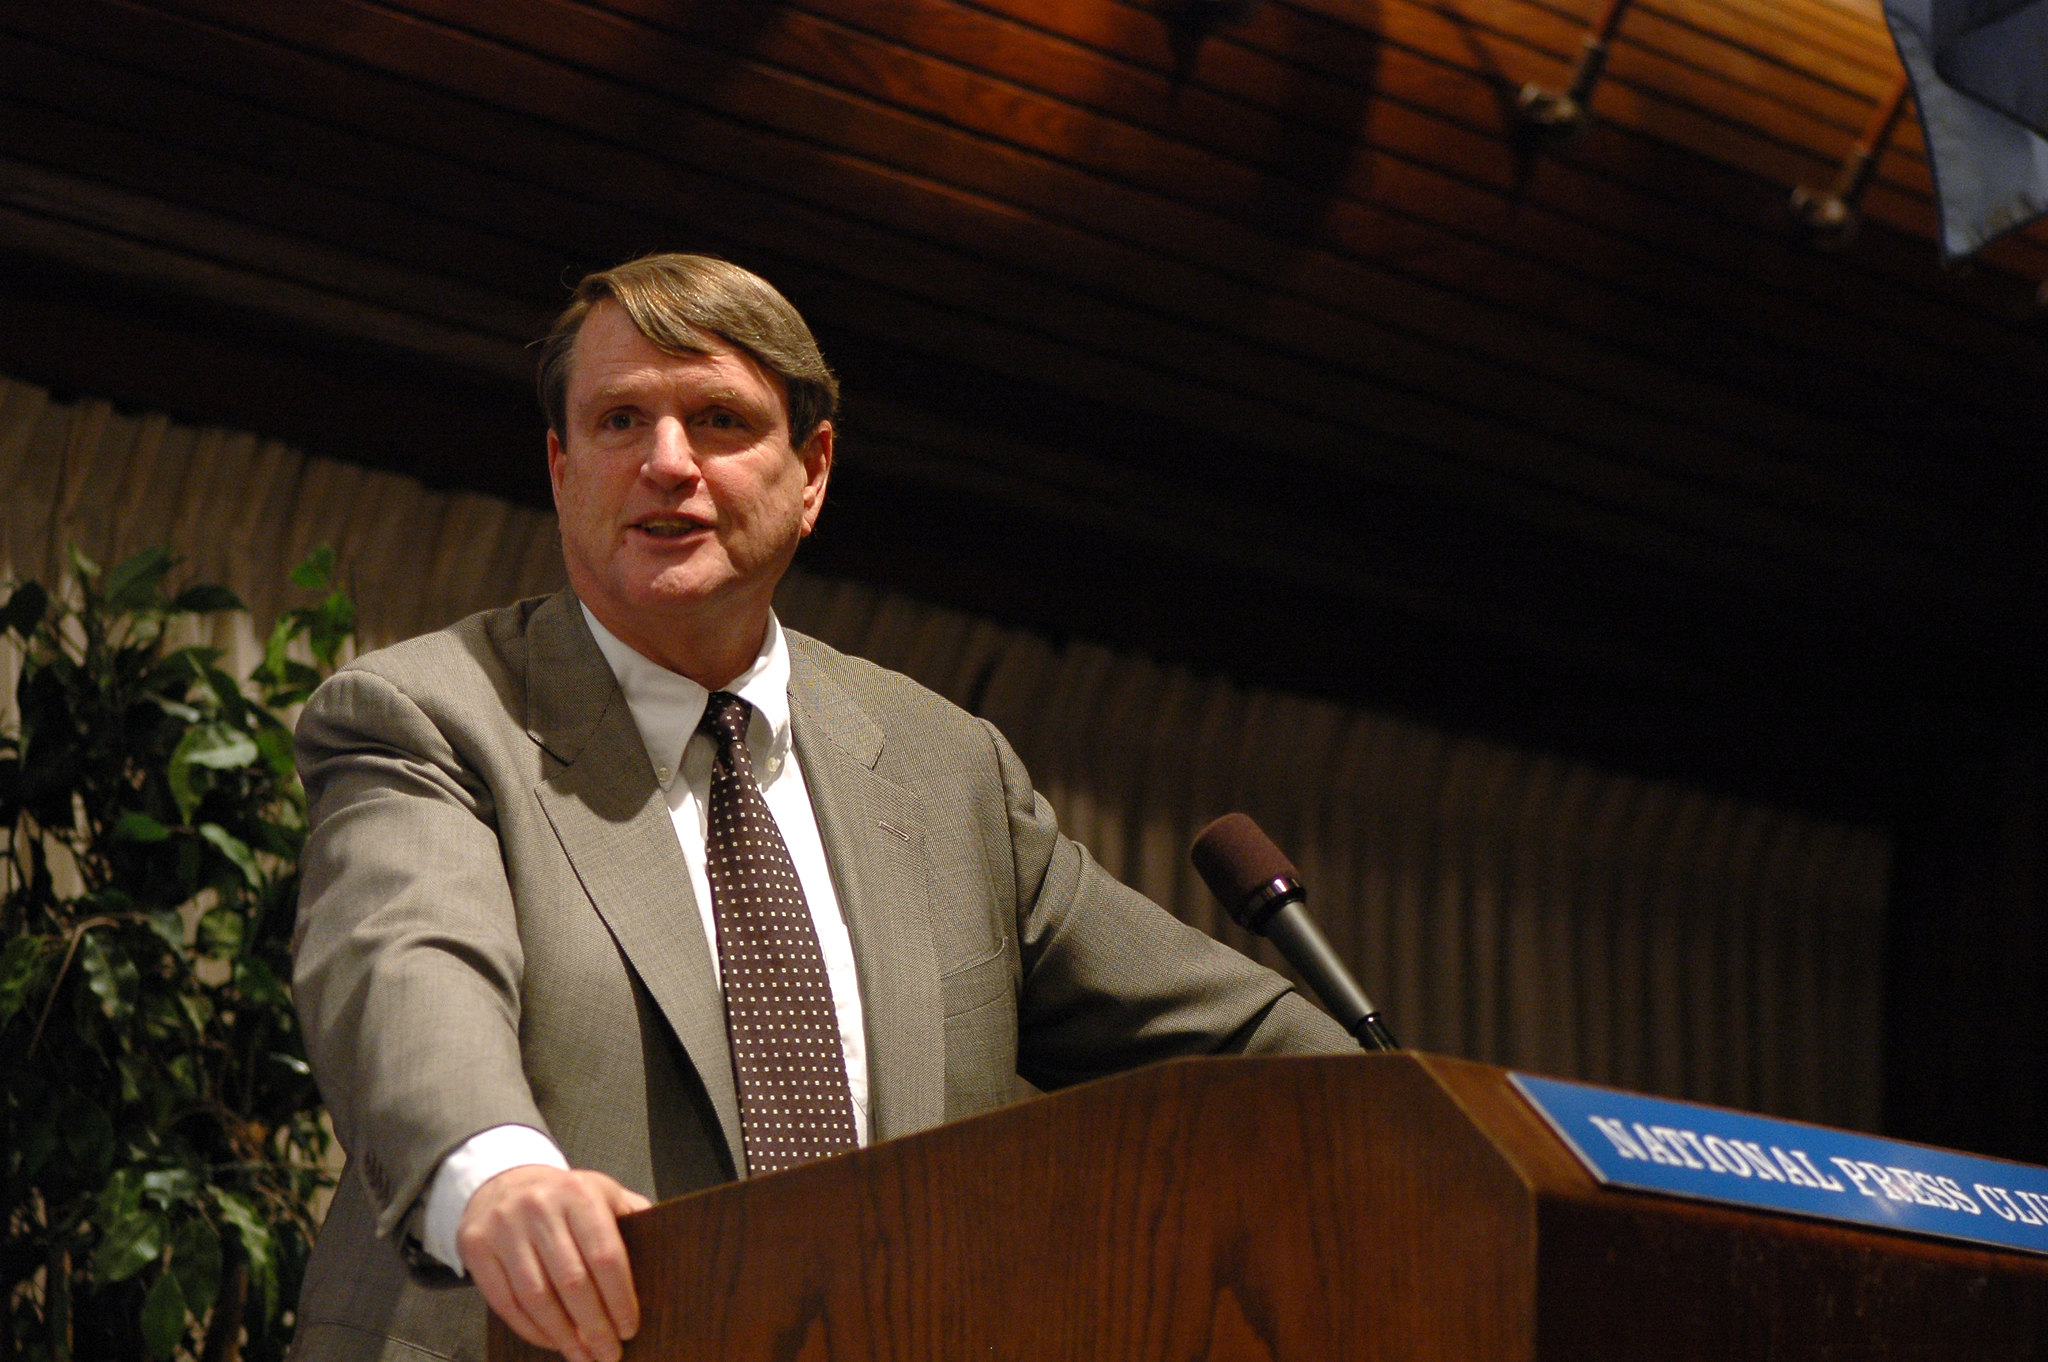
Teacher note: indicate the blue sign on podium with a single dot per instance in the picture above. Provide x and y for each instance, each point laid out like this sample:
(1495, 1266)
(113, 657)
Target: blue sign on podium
(1655, 1144)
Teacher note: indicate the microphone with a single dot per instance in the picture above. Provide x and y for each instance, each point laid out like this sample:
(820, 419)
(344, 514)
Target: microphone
(1259, 885)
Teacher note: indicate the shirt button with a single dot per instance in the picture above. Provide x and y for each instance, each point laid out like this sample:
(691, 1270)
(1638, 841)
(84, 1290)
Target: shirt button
(661, 774)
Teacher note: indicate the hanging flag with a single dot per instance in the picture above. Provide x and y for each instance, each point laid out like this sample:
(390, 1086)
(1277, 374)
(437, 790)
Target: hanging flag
(1980, 78)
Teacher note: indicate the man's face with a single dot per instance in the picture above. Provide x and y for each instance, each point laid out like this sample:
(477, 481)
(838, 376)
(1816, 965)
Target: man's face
(680, 498)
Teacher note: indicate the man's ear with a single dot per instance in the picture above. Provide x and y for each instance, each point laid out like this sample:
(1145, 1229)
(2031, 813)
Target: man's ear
(816, 455)
(556, 456)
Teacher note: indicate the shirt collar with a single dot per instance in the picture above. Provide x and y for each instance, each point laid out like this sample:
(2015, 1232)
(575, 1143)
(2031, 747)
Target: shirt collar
(668, 706)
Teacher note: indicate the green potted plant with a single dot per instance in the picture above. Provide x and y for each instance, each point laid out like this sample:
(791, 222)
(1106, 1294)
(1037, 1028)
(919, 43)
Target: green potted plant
(161, 1138)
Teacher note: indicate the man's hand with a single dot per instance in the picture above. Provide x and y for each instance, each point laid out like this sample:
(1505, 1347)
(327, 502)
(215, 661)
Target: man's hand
(543, 1246)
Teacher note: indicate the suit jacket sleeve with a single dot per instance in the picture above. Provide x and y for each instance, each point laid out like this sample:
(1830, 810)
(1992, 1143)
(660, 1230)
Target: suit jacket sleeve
(1111, 980)
(408, 958)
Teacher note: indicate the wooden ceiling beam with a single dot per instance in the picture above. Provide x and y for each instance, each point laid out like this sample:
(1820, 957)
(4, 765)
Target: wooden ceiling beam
(1400, 114)
(1405, 97)
(1383, 409)
(878, 130)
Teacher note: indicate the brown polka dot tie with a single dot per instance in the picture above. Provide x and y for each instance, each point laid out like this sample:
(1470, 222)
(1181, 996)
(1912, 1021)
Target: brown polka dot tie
(786, 1057)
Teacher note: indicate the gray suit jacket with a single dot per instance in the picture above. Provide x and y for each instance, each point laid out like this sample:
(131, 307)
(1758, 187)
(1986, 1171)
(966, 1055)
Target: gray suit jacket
(496, 925)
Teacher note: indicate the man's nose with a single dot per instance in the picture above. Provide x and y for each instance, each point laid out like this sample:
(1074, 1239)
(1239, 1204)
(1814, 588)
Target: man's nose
(670, 458)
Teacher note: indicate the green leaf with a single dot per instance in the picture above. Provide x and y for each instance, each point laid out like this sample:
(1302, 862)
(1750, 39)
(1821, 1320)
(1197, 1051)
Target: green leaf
(110, 974)
(204, 598)
(134, 583)
(131, 1073)
(257, 1244)
(198, 1012)
(316, 573)
(20, 964)
(178, 709)
(163, 1020)
(121, 1196)
(220, 933)
(236, 850)
(169, 928)
(281, 838)
(258, 984)
(219, 746)
(183, 1078)
(25, 609)
(173, 674)
(195, 1258)
(276, 746)
(334, 619)
(168, 1187)
(234, 706)
(130, 1244)
(85, 567)
(163, 1317)
(214, 746)
(88, 1137)
(135, 826)
(282, 632)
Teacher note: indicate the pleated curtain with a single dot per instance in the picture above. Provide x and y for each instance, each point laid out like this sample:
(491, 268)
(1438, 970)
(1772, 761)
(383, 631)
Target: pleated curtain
(1498, 903)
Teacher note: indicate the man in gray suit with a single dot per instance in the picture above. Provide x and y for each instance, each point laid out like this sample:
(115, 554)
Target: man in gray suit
(511, 973)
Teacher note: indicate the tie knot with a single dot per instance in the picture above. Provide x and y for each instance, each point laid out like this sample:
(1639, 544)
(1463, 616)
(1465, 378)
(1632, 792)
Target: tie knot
(725, 720)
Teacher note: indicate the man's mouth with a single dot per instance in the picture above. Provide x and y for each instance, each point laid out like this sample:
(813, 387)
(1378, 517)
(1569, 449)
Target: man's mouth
(668, 526)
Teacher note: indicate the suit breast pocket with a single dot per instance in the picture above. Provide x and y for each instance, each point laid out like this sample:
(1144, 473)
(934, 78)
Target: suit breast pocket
(975, 984)
(981, 1036)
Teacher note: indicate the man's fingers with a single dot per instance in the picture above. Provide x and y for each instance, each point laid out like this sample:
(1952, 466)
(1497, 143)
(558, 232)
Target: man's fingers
(537, 1296)
(562, 1253)
(497, 1293)
(510, 1294)
(624, 1200)
(596, 1227)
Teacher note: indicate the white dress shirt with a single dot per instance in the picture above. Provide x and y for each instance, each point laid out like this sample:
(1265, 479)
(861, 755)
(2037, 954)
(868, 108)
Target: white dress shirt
(666, 708)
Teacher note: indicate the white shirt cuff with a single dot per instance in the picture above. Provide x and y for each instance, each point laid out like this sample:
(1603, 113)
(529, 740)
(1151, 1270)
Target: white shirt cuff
(473, 1163)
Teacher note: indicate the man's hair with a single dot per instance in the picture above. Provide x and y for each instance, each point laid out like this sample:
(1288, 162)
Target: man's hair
(681, 303)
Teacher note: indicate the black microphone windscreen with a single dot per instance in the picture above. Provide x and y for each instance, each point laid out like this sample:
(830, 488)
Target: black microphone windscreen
(1236, 859)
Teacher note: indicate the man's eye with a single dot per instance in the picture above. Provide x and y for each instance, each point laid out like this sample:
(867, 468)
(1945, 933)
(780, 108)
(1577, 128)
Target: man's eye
(617, 420)
(721, 420)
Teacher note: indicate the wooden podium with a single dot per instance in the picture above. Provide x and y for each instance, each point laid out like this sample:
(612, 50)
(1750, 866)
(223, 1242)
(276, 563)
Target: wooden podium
(1351, 1207)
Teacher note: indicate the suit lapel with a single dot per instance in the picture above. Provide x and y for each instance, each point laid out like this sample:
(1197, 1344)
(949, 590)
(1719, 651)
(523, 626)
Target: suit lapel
(614, 826)
(874, 835)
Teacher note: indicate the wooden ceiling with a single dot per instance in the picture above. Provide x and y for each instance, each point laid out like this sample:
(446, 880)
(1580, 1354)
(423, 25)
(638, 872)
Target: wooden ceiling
(1273, 348)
